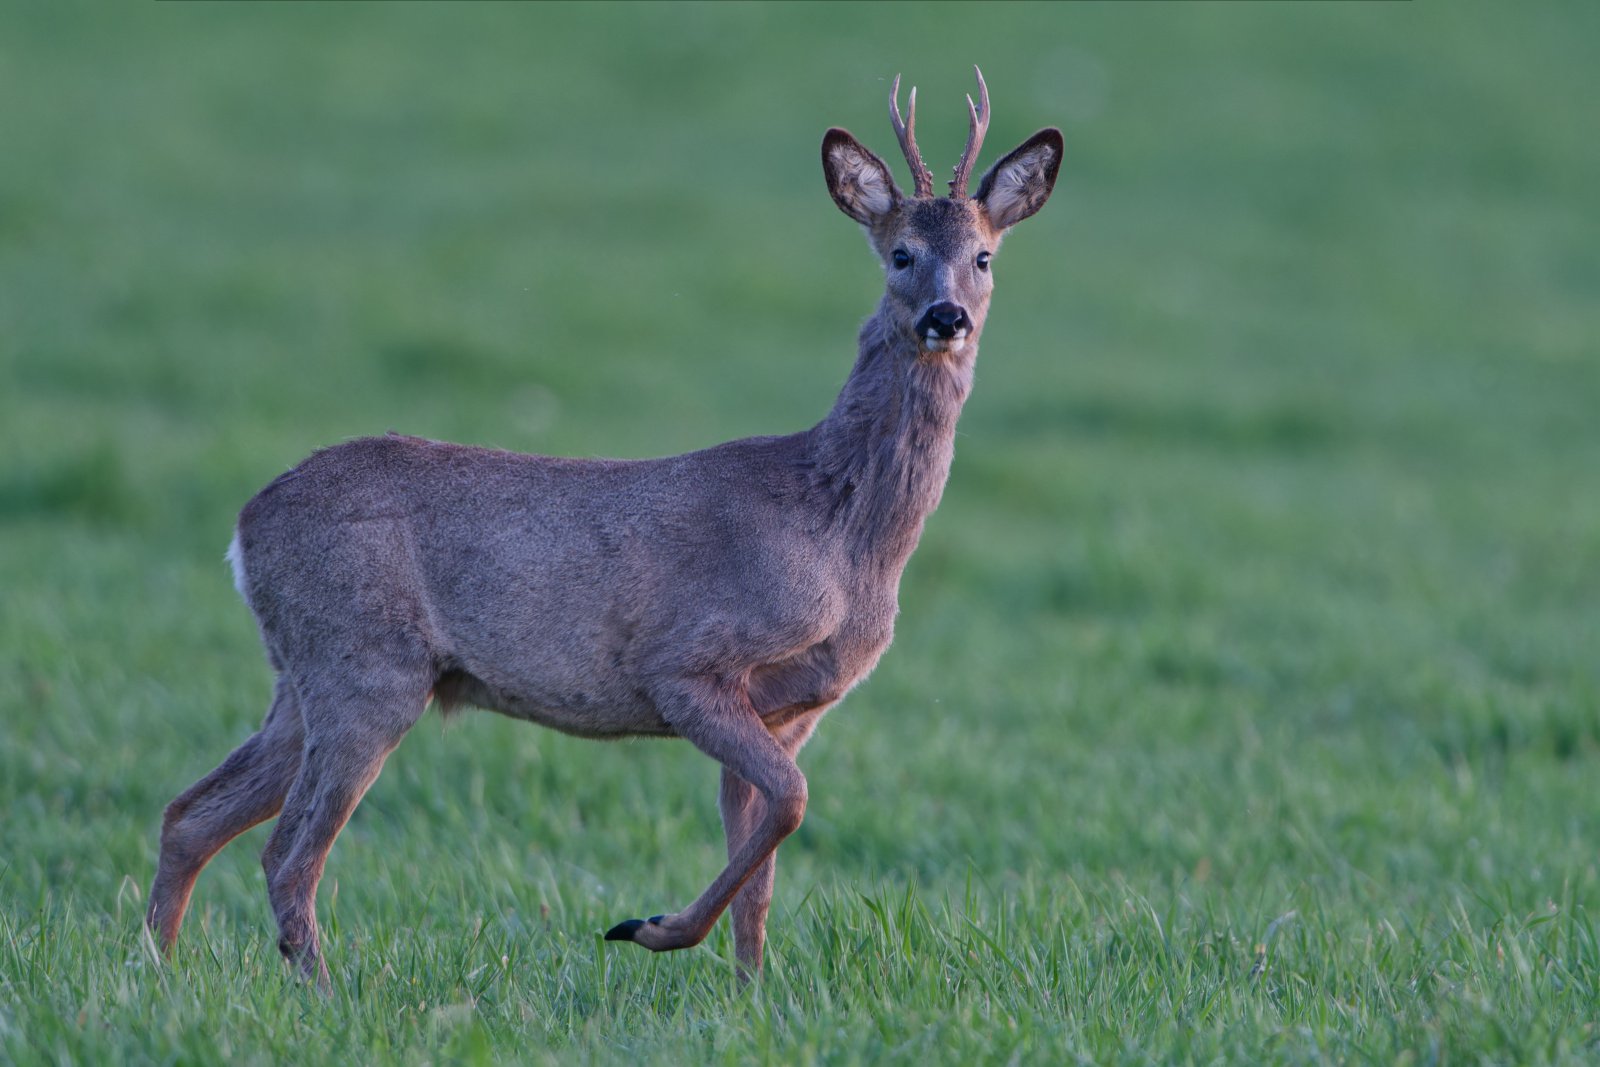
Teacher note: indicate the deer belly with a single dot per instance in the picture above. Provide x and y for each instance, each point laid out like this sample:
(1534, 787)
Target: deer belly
(572, 711)
(599, 721)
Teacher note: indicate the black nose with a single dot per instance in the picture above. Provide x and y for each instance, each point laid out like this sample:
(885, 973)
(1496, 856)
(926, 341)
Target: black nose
(944, 319)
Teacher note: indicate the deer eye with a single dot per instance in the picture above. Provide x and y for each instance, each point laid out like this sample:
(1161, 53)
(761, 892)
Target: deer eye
(902, 259)
(983, 260)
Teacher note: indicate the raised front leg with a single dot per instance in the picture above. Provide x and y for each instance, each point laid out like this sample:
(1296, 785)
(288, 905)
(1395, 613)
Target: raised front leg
(742, 808)
(719, 721)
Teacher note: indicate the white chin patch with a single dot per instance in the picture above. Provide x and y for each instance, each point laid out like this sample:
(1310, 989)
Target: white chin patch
(942, 344)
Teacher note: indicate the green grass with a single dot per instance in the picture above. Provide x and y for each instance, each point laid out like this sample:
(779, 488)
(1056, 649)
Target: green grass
(1245, 704)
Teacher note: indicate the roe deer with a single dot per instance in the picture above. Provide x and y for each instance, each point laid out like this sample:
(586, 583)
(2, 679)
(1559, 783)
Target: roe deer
(729, 597)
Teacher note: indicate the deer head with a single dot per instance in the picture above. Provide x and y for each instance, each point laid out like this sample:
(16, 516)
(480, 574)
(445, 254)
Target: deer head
(936, 251)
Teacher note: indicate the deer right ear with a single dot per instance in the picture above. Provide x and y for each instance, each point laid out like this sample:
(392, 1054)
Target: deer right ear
(858, 180)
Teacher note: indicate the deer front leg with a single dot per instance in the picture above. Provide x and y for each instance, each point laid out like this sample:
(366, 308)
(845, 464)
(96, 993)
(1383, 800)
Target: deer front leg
(742, 807)
(718, 720)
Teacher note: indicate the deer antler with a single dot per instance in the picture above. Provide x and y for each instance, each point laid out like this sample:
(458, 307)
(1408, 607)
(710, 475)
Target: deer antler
(980, 126)
(921, 180)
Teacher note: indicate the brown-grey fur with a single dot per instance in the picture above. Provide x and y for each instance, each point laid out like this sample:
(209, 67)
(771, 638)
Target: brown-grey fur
(729, 596)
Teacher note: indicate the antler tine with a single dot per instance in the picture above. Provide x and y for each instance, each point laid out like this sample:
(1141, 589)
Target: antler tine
(921, 179)
(980, 126)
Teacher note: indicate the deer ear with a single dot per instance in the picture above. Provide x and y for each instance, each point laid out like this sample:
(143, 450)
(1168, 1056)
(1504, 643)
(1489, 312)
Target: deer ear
(858, 180)
(1020, 183)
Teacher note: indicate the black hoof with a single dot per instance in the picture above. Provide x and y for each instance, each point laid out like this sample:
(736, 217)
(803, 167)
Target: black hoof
(624, 930)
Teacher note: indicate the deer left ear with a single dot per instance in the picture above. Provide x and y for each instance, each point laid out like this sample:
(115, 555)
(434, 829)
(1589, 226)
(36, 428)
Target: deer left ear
(1020, 183)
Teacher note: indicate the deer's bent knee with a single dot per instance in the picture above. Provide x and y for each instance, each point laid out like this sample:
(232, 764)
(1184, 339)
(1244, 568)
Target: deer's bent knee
(177, 839)
(789, 805)
(173, 814)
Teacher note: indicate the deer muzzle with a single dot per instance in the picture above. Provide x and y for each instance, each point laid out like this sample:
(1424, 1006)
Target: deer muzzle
(944, 326)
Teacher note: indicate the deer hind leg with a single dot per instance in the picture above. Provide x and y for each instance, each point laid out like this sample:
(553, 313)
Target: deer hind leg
(742, 807)
(348, 736)
(248, 788)
(719, 721)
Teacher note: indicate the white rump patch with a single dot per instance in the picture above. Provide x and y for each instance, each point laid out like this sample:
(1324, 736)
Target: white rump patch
(235, 558)
(1019, 187)
(862, 184)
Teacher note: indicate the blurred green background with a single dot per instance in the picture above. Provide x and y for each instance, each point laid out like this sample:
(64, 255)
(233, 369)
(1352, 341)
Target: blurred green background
(1267, 579)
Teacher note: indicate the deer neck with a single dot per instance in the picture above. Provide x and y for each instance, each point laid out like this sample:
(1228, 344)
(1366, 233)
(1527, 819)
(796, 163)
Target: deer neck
(882, 456)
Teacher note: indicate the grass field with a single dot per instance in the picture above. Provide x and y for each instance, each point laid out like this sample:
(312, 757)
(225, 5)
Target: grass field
(1245, 704)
